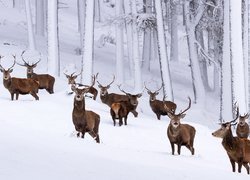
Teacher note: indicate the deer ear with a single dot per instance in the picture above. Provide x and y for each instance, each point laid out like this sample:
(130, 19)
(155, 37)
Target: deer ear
(148, 92)
(99, 86)
(1, 70)
(67, 76)
(73, 88)
(139, 95)
(156, 93)
(11, 70)
(74, 77)
(182, 116)
(170, 115)
(108, 86)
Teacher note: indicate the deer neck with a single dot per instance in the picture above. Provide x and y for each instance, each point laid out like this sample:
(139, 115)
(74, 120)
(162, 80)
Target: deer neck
(30, 75)
(229, 141)
(80, 105)
(7, 83)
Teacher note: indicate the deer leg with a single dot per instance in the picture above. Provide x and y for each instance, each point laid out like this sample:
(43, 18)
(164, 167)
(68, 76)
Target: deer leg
(12, 96)
(34, 95)
(172, 146)
(190, 148)
(125, 120)
(135, 113)
(113, 120)
(239, 167)
(95, 136)
(179, 149)
(246, 166)
(120, 121)
(233, 164)
(17, 95)
(158, 116)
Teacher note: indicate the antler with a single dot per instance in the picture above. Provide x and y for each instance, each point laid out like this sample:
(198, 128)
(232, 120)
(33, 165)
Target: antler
(155, 90)
(119, 86)
(109, 83)
(189, 105)
(237, 115)
(14, 56)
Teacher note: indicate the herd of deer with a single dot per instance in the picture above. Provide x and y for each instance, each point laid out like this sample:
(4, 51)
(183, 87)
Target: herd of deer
(237, 148)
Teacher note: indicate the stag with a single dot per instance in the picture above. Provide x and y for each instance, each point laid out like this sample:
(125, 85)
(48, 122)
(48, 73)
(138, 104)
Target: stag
(18, 85)
(121, 109)
(238, 149)
(72, 81)
(84, 120)
(110, 98)
(180, 134)
(46, 81)
(157, 106)
(242, 129)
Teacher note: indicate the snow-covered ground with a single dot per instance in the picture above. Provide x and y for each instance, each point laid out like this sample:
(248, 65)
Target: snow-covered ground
(38, 141)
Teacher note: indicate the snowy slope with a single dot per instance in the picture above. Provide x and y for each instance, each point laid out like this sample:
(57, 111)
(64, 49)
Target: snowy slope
(38, 140)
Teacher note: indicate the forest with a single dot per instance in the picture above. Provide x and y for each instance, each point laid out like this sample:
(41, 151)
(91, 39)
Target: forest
(191, 56)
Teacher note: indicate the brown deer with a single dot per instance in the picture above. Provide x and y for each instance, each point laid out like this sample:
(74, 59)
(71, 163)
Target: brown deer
(46, 81)
(18, 85)
(83, 120)
(121, 109)
(157, 106)
(238, 149)
(242, 129)
(180, 134)
(72, 81)
(110, 98)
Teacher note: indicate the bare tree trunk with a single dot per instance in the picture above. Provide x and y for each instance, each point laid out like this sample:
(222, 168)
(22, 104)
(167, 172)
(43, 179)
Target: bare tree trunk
(119, 45)
(174, 50)
(88, 42)
(163, 57)
(53, 40)
(97, 11)
(31, 37)
(40, 17)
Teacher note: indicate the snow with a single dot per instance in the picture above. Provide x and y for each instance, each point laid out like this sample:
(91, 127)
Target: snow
(38, 140)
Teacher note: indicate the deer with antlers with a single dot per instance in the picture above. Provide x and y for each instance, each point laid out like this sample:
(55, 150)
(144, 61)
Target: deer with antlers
(84, 120)
(242, 129)
(121, 109)
(72, 81)
(110, 98)
(46, 81)
(18, 85)
(157, 106)
(178, 133)
(238, 149)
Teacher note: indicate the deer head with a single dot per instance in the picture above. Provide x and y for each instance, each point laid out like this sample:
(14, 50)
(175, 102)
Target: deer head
(152, 95)
(226, 127)
(104, 89)
(242, 119)
(6, 72)
(132, 97)
(79, 92)
(30, 67)
(175, 118)
(71, 78)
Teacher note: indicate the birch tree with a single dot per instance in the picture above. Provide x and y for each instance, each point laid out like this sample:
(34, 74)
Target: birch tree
(174, 52)
(30, 26)
(163, 58)
(88, 42)
(192, 20)
(40, 17)
(237, 55)
(119, 44)
(226, 79)
(53, 40)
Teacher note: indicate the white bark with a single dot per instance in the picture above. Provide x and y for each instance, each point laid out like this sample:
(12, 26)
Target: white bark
(40, 17)
(237, 56)
(88, 42)
(81, 27)
(136, 52)
(163, 57)
(30, 26)
(119, 45)
(97, 10)
(53, 44)
(174, 52)
(226, 77)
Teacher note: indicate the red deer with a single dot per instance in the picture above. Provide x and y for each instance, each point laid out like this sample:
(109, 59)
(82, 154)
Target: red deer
(242, 129)
(238, 149)
(110, 98)
(83, 120)
(157, 106)
(180, 134)
(71, 81)
(46, 81)
(121, 109)
(18, 85)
